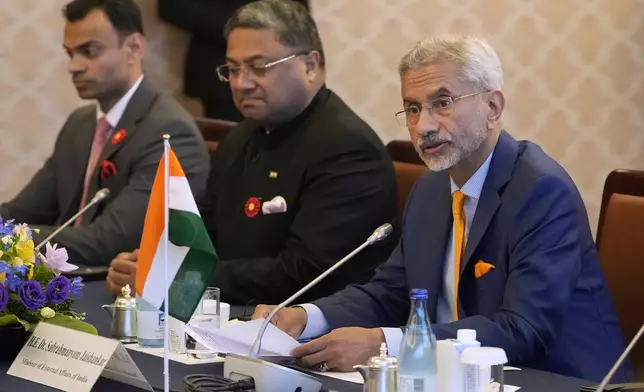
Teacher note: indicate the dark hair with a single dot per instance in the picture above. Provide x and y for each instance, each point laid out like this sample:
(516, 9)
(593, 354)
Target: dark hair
(291, 21)
(125, 15)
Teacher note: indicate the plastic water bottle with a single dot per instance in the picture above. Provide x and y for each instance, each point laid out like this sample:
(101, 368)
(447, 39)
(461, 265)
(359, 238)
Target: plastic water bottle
(451, 373)
(417, 354)
(150, 324)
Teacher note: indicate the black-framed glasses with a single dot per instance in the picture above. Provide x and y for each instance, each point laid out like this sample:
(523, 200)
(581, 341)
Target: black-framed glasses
(227, 71)
(443, 106)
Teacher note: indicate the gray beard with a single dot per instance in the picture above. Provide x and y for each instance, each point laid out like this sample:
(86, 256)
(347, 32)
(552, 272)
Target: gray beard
(455, 154)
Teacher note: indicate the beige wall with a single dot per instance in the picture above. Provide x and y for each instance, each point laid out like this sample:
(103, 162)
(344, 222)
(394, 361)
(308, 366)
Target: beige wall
(36, 94)
(574, 73)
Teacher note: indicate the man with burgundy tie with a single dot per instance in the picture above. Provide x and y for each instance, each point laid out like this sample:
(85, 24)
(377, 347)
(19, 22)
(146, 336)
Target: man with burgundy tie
(115, 144)
(496, 232)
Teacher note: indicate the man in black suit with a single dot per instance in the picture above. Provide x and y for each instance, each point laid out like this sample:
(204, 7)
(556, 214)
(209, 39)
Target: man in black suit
(115, 143)
(298, 184)
(205, 20)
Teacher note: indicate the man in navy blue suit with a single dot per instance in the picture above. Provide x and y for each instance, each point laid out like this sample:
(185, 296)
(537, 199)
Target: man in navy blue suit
(496, 232)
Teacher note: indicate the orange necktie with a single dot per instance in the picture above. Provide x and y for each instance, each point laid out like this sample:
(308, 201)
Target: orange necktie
(458, 200)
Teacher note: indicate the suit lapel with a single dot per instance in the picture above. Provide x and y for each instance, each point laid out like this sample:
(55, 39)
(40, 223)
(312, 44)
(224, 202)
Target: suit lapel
(439, 218)
(136, 109)
(499, 173)
(487, 206)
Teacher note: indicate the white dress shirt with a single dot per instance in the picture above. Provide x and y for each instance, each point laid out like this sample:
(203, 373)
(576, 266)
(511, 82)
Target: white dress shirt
(114, 115)
(317, 324)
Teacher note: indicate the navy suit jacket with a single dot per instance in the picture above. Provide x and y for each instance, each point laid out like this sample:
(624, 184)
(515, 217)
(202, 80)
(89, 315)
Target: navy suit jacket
(545, 303)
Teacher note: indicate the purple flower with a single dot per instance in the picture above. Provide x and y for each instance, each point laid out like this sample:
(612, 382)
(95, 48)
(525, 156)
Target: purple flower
(77, 287)
(31, 295)
(6, 228)
(58, 290)
(4, 297)
(22, 269)
(12, 281)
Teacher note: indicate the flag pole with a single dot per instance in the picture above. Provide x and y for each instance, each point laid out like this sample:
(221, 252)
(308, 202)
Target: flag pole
(166, 219)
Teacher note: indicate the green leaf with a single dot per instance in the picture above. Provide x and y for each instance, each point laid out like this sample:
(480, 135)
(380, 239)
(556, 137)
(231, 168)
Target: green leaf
(10, 319)
(43, 274)
(70, 322)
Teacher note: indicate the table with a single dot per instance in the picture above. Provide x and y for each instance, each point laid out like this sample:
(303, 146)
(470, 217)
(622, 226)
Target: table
(95, 295)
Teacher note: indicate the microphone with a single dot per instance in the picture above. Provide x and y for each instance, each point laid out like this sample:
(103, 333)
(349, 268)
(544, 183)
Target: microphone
(99, 196)
(620, 360)
(378, 235)
(271, 377)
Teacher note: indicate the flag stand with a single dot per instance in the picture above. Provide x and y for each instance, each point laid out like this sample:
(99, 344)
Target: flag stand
(166, 211)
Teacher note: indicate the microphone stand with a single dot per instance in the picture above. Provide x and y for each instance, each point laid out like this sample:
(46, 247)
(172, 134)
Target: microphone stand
(99, 196)
(621, 360)
(258, 341)
(271, 377)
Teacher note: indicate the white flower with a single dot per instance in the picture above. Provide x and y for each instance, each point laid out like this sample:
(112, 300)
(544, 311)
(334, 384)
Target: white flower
(47, 312)
(56, 260)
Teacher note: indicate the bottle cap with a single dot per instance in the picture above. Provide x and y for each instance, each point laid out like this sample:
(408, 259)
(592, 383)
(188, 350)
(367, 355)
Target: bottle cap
(484, 356)
(419, 293)
(466, 335)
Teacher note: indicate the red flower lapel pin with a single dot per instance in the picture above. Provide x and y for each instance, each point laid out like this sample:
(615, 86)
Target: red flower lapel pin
(252, 207)
(108, 169)
(119, 136)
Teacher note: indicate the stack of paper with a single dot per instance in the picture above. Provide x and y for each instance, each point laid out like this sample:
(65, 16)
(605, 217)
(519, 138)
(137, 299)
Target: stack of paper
(239, 338)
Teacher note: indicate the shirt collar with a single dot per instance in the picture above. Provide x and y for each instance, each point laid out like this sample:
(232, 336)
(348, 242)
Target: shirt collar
(114, 115)
(474, 185)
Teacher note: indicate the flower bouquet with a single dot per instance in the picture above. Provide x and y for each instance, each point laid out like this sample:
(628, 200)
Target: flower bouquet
(32, 288)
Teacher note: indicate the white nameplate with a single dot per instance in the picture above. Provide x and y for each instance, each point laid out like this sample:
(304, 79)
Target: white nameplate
(71, 360)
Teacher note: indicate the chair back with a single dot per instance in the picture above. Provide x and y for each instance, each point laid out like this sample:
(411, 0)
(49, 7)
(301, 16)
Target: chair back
(624, 181)
(403, 151)
(409, 168)
(214, 130)
(620, 238)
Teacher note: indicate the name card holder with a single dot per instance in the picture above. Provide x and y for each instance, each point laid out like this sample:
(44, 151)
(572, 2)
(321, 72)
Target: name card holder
(73, 361)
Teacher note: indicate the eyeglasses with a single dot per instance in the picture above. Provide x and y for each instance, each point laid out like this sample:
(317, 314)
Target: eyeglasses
(226, 71)
(442, 106)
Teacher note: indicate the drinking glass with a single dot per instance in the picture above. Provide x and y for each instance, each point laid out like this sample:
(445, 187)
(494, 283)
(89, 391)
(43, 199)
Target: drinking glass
(205, 316)
(207, 313)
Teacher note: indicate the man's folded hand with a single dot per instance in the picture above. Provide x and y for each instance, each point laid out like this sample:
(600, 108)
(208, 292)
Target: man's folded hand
(122, 272)
(341, 349)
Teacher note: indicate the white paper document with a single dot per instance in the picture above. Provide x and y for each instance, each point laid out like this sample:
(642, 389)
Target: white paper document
(239, 338)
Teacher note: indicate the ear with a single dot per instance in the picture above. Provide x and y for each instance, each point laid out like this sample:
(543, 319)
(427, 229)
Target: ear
(136, 45)
(312, 64)
(496, 105)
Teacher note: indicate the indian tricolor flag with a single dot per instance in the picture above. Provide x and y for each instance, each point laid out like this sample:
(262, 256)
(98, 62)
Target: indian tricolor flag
(191, 255)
